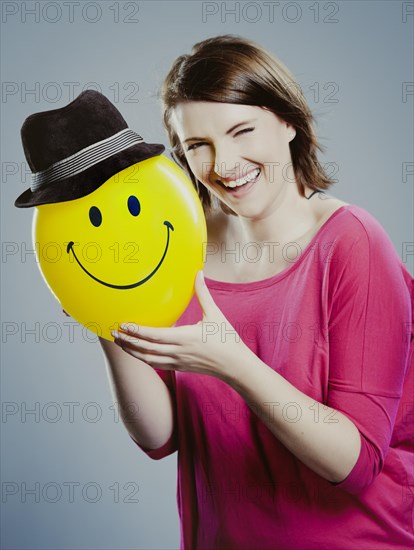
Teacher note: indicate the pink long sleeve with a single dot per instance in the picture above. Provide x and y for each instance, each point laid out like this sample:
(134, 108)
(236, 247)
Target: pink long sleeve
(369, 345)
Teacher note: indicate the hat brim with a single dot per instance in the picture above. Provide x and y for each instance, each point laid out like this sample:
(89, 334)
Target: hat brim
(88, 181)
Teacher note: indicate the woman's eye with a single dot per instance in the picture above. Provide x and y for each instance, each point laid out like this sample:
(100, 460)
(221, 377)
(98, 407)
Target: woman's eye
(244, 131)
(199, 143)
(194, 145)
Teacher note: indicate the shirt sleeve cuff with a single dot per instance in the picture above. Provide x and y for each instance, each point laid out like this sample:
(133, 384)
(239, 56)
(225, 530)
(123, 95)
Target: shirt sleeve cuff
(355, 481)
(156, 454)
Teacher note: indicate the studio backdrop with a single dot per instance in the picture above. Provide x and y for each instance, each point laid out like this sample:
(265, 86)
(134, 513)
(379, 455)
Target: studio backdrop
(71, 477)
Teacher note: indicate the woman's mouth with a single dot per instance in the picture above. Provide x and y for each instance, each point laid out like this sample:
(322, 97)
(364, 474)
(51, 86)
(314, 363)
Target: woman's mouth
(242, 185)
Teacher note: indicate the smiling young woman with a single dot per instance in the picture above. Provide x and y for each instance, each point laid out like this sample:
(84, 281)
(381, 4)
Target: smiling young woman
(242, 157)
(286, 385)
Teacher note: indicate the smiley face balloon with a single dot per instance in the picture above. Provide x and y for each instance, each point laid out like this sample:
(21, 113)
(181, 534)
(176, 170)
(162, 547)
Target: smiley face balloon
(129, 251)
(117, 240)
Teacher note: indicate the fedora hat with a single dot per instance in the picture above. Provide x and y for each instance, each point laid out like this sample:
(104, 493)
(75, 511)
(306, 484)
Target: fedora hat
(73, 150)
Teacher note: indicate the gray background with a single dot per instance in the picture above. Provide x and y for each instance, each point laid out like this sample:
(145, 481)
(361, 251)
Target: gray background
(122, 498)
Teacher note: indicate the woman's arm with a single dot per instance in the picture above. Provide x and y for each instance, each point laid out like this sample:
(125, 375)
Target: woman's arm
(329, 448)
(370, 308)
(321, 437)
(145, 402)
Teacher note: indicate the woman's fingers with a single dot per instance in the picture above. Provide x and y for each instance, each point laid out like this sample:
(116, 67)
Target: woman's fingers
(204, 297)
(173, 335)
(144, 346)
(151, 359)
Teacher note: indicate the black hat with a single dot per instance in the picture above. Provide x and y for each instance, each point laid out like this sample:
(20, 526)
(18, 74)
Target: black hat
(73, 150)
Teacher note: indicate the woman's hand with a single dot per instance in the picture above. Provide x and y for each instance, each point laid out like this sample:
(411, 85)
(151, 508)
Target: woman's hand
(211, 346)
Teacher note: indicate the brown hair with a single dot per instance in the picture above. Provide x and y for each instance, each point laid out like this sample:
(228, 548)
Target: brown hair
(232, 69)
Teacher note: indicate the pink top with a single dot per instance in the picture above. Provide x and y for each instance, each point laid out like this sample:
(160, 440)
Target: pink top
(337, 324)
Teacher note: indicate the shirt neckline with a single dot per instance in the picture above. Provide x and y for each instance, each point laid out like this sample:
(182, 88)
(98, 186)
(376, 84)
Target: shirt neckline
(224, 285)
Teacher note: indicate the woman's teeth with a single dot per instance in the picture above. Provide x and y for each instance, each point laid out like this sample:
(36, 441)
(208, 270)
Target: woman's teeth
(242, 181)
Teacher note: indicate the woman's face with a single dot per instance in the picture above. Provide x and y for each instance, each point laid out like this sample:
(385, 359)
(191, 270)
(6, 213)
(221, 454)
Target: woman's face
(239, 152)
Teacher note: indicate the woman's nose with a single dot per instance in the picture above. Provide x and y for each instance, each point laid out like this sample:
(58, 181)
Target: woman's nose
(225, 171)
(226, 166)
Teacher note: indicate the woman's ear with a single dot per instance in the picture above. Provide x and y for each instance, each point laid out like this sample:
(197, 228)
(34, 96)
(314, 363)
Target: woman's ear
(291, 132)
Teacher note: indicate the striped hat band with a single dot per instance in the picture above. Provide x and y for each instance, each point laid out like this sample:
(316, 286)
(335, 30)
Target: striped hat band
(85, 158)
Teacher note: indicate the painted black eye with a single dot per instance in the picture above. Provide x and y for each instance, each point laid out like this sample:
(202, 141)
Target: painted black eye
(95, 216)
(133, 205)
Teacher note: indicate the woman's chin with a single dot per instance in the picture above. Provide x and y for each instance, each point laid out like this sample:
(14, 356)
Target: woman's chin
(251, 209)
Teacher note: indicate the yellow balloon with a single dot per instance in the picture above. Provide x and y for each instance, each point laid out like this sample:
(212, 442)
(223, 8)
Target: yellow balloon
(128, 252)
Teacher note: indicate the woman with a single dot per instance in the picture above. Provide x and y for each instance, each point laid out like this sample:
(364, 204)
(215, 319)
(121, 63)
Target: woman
(289, 404)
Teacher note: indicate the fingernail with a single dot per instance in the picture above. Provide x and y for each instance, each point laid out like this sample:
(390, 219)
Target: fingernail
(115, 333)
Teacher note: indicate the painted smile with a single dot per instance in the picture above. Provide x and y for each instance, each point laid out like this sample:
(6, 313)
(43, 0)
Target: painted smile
(133, 285)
